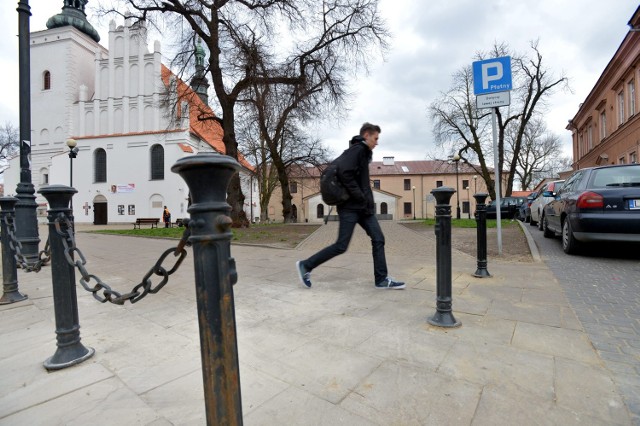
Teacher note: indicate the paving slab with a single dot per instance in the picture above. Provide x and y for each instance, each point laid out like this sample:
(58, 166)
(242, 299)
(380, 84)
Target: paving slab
(342, 352)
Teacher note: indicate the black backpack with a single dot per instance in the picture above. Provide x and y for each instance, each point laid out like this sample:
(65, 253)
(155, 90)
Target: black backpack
(332, 191)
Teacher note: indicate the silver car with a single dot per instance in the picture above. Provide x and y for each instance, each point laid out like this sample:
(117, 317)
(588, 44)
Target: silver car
(545, 195)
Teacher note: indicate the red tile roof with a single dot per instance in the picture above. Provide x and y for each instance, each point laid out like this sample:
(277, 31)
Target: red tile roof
(377, 168)
(424, 167)
(209, 131)
(185, 147)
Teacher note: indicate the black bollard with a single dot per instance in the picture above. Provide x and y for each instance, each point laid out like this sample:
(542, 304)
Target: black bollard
(443, 316)
(208, 176)
(10, 293)
(481, 226)
(70, 351)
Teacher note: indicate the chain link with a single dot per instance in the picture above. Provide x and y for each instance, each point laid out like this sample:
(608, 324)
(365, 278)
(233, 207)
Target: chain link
(108, 294)
(43, 256)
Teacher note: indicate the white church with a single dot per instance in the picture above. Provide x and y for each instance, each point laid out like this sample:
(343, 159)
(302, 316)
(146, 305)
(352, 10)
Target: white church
(130, 118)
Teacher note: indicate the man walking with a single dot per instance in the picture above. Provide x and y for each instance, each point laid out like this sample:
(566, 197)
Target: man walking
(353, 173)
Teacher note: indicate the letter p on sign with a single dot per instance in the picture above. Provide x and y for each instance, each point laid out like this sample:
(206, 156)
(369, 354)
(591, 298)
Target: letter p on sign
(492, 75)
(488, 76)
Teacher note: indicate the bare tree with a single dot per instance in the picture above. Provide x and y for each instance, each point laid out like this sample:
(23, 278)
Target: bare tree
(467, 130)
(255, 150)
(540, 153)
(9, 144)
(276, 148)
(296, 41)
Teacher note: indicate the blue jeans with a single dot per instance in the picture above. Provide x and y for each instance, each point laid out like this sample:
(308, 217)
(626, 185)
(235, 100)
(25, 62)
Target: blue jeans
(348, 221)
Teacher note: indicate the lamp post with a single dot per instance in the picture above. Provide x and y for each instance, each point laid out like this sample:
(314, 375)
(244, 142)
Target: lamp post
(475, 183)
(456, 159)
(414, 202)
(468, 202)
(73, 153)
(26, 215)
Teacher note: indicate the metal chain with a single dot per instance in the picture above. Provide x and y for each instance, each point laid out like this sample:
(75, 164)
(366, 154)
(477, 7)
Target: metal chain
(43, 256)
(108, 294)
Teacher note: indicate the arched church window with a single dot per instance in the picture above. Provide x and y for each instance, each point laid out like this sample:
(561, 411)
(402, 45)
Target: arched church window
(320, 211)
(46, 80)
(100, 165)
(157, 162)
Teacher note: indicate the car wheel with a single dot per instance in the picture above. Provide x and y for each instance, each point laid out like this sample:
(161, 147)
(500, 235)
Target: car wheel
(541, 223)
(548, 233)
(569, 244)
(532, 222)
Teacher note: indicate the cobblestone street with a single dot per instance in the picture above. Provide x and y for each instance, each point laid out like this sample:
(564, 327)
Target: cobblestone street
(603, 287)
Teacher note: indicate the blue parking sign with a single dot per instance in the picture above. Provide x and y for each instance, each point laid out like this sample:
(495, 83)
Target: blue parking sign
(492, 75)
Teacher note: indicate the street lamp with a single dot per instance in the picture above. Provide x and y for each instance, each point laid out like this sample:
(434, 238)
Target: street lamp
(456, 159)
(73, 153)
(414, 202)
(475, 183)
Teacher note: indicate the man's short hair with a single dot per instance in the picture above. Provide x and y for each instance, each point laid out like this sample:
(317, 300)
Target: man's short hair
(369, 128)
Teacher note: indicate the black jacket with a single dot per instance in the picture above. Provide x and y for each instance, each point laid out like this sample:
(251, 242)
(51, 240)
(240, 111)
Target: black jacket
(353, 172)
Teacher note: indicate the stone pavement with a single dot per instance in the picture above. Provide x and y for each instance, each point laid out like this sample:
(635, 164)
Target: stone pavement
(341, 352)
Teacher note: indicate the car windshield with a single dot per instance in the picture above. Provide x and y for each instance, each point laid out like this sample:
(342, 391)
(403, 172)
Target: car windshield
(616, 176)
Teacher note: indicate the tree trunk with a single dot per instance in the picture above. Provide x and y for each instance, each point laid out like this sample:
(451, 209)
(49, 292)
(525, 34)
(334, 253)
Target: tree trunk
(235, 197)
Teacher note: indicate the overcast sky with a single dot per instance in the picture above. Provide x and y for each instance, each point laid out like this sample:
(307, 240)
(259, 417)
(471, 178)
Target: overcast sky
(431, 40)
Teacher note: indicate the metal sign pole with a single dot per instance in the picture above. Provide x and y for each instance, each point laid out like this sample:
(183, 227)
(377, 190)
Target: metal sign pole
(496, 167)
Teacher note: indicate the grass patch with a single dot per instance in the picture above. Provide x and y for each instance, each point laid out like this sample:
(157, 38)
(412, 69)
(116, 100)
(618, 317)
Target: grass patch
(151, 232)
(281, 235)
(471, 223)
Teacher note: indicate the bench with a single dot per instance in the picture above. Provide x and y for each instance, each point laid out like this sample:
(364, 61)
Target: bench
(150, 220)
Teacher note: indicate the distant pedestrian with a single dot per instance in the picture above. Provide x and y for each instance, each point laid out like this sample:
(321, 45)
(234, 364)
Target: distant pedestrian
(353, 173)
(166, 217)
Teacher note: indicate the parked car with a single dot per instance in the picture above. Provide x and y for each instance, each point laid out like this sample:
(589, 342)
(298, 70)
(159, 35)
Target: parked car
(508, 207)
(524, 212)
(596, 204)
(546, 194)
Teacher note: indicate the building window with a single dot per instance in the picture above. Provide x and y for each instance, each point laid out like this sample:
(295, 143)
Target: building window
(121, 209)
(465, 207)
(293, 187)
(438, 183)
(590, 137)
(621, 107)
(384, 208)
(157, 162)
(603, 125)
(632, 97)
(320, 211)
(376, 183)
(407, 208)
(622, 160)
(407, 184)
(44, 176)
(465, 183)
(46, 80)
(632, 158)
(99, 165)
(580, 145)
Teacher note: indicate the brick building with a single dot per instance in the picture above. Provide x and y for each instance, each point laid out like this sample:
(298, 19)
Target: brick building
(606, 128)
(401, 190)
